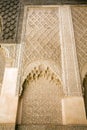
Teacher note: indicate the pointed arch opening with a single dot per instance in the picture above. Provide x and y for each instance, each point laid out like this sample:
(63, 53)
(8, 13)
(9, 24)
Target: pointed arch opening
(41, 96)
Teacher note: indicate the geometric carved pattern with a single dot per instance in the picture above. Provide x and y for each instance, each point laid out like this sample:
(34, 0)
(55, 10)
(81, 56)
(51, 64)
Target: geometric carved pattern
(9, 11)
(79, 16)
(41, 97)
(41, 36)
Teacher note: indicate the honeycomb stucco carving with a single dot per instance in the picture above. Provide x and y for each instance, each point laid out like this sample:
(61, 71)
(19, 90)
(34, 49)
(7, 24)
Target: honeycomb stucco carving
(41, 71)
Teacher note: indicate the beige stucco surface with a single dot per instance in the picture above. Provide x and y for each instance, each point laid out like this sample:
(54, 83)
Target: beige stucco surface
(8, 98)
(73, 110)
(8, 109)
(9, 82)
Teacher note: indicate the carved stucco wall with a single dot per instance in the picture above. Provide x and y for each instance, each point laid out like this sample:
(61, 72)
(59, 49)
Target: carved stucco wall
(41, 97)
(41, 38)
(41, 46)
(79, 17)
(42, 34)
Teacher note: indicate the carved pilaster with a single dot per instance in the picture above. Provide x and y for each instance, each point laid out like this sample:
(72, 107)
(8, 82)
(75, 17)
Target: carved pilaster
(70, 71)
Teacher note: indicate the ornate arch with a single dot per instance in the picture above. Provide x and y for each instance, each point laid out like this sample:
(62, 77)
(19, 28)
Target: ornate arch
(41, 92)
(44, 63)
(41, 71)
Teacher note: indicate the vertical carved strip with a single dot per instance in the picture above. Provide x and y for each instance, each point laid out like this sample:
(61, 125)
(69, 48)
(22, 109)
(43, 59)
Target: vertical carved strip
(70, 72)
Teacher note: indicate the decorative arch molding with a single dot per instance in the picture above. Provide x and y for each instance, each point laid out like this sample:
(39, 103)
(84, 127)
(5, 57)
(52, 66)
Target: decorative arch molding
(45, 63)
(41, 71)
